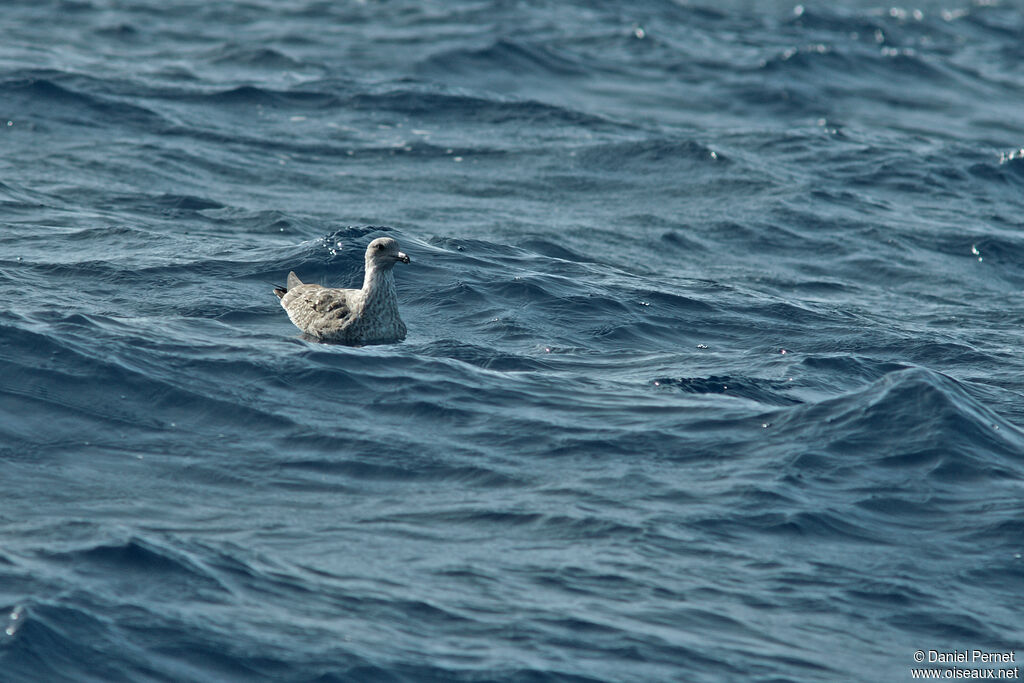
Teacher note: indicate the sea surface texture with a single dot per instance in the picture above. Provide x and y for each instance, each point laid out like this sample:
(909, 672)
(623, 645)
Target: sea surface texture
(714, 368)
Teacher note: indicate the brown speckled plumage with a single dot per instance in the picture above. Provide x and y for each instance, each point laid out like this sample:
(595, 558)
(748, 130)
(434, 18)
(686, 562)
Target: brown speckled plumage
(351, 316)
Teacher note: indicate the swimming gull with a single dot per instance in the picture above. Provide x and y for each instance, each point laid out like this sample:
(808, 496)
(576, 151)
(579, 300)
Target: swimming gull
(351, 316)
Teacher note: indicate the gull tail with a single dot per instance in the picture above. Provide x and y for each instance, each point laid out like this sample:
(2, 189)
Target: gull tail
(293, 281)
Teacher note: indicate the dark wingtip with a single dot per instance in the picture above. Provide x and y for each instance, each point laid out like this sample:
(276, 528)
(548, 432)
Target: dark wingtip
(280, 291)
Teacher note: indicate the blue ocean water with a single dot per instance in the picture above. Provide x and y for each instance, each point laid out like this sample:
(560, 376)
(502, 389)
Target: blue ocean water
(714, 362)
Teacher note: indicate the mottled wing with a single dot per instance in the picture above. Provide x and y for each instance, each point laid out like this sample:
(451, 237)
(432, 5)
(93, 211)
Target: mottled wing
(317, 310)
(329, 303)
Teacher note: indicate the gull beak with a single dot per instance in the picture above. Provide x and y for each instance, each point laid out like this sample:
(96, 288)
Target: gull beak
(404, 258)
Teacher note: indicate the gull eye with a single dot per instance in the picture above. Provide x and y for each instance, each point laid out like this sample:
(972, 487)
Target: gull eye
(379, 247)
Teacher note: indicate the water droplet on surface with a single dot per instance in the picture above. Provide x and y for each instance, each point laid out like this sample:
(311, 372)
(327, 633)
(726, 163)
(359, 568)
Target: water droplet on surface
(1007, 157)
(15, 619)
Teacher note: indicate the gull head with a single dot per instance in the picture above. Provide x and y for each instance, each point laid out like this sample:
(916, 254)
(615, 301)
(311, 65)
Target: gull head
(383, 253)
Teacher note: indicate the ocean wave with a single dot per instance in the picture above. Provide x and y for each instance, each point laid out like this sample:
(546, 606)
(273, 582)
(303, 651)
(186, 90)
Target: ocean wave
(433, 106)
(262, 58)
(505, 55)
(648, 156)
(925, 419)
(45, 100)
(769, 392)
